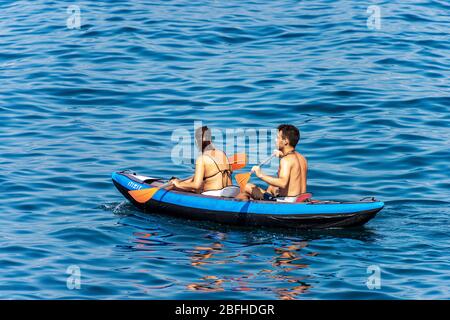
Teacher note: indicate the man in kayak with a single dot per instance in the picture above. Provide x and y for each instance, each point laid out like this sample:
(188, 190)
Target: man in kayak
(212, 170)
(291, 180)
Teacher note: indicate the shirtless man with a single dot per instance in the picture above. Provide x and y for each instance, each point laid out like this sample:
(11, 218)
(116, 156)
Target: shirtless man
(291, 180)
(212, 169)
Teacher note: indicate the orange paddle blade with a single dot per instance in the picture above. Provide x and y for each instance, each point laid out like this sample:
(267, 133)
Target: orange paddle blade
(143, 195)
(242, 179)
(238, 161)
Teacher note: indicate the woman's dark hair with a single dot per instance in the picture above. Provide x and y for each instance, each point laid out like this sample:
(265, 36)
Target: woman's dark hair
(203, 137)
(289, 132)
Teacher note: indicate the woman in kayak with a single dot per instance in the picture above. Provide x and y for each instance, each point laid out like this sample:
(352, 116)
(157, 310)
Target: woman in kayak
(212, 170)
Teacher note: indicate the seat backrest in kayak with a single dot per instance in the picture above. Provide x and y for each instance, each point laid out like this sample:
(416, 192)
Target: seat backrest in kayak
(227, 192)
(303, 197)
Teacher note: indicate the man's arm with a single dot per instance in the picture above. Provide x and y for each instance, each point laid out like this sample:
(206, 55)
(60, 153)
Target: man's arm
(282, 180)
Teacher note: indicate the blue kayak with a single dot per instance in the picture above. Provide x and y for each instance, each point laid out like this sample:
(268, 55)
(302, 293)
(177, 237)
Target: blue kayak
(304, 215)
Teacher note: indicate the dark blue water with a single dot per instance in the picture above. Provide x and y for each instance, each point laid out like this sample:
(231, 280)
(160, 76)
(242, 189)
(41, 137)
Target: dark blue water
(77, 104)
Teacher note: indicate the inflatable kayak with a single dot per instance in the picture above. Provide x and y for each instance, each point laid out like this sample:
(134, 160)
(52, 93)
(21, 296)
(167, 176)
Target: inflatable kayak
(305, 215)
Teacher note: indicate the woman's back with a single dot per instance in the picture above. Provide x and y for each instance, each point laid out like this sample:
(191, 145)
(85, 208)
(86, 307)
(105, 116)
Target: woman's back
(217, 170)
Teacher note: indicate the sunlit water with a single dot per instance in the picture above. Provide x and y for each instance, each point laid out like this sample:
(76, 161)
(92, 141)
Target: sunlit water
(78, 104)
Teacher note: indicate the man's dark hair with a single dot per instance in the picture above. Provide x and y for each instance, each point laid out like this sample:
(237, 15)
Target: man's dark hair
(289, 132)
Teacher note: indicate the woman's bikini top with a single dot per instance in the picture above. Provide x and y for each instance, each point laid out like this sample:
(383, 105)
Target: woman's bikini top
(226, 173)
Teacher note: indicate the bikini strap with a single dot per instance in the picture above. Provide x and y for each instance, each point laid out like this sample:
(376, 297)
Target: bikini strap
(226, 171)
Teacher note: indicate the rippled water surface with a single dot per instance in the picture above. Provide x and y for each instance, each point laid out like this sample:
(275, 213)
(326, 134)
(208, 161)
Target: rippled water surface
(78, 104)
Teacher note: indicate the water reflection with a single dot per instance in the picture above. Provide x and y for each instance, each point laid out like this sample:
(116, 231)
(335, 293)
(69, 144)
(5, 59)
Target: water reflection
(251, 260)
(287, 259)
(200, 255)
(280, 267)
(209, 284)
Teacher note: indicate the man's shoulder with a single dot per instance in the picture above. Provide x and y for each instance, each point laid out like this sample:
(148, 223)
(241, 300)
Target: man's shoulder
(302, 159)
(300, 155)
(287, 159)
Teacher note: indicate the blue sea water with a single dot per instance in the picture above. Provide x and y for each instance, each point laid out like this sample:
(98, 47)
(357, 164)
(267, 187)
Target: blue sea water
(372, 105)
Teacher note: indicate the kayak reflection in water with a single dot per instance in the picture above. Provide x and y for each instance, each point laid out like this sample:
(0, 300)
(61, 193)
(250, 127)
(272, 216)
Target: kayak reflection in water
(212, 169)
(291, 180)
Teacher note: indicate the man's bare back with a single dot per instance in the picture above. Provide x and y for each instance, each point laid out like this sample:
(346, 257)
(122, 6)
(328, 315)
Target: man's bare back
(297, 167)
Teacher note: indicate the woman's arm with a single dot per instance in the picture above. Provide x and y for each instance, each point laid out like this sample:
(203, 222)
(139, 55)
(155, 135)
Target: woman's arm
(196, 182)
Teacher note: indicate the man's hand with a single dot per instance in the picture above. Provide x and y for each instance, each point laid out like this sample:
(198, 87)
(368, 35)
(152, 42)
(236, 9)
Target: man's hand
(273, 190)
(257, 171)
(278, 153)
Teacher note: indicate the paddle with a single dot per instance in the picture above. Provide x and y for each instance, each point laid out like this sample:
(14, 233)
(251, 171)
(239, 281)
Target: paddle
(237, 162)
(242, 178)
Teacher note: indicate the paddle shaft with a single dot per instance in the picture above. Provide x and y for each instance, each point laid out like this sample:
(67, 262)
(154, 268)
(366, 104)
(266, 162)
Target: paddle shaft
(267, 160)
(165, 185)
(243, 178)
(234, 157)
(237, 161)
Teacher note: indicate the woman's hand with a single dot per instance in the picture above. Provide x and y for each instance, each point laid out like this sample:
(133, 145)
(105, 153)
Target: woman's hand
(176, 182)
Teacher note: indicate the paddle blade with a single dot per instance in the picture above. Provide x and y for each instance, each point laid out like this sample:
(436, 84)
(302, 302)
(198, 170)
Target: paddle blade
(242, 179)
(238, 161)
(143, 195)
